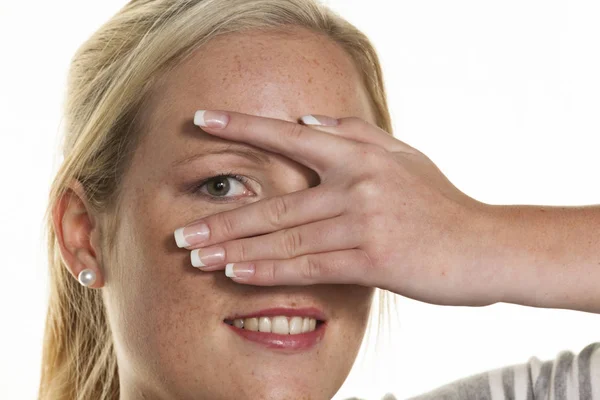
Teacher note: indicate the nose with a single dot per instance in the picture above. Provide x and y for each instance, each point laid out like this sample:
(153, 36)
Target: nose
(291, 176)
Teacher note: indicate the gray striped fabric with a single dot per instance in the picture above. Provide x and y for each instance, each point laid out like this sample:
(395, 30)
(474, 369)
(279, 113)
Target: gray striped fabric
(567, 377)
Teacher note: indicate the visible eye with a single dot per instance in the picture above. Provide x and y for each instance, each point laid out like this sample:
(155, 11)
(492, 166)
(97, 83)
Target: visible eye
(219, 185)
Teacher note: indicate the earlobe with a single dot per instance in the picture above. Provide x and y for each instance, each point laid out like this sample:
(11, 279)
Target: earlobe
(87, 270)
(75, 227)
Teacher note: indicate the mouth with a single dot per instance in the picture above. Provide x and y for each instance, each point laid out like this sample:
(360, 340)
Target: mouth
(293, 329)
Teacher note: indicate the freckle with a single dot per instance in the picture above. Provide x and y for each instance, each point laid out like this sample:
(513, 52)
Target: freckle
(310, 80)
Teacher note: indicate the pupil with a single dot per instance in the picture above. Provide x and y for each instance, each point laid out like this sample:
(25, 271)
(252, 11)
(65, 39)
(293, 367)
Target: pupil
(221, 185)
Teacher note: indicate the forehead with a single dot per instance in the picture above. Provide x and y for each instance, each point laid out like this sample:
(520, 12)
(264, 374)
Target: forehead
(267, 73)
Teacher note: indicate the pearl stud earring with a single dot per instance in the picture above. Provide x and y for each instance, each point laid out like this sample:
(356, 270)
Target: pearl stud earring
(87, 277)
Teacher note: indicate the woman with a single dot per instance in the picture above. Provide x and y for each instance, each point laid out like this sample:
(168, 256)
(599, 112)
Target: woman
(171, 107)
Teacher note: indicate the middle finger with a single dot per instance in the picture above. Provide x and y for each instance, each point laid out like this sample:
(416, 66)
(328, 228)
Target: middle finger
(328, 235)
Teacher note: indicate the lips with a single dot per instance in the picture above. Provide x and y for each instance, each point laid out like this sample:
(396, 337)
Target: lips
(286, 342)
(293, 343)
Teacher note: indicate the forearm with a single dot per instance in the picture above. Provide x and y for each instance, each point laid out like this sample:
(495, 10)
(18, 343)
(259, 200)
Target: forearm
(543, 256)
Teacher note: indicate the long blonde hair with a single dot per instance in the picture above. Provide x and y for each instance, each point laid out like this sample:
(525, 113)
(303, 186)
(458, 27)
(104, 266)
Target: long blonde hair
(110, 78)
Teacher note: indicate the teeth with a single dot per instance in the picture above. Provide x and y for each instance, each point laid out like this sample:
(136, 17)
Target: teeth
(295, 325)
(305, 325)
(280, 324)
(238, 323)
(250, 323)
(264, 324)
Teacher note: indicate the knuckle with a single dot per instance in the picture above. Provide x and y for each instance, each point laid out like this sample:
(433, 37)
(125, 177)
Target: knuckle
(269, 274)
(295, 131)
(310, 269)
(225, 226)
(368, 188)
(238, 251)
(292, 242)
(375, 154)
(375, 221)
(369, 198)
(277, 208)
(364, 259)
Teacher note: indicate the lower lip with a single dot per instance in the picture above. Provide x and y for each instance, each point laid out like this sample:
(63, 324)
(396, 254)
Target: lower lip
(297, 342)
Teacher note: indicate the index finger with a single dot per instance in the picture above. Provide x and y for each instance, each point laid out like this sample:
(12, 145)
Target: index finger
(315, 149)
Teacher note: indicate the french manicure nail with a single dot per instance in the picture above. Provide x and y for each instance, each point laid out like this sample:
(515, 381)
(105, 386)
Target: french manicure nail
(323, 120)
(211, 119)
(206, 256)
(191, 235)
(237, 270)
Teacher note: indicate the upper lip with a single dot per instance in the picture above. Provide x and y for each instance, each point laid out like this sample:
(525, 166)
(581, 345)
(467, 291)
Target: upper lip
(311, 312)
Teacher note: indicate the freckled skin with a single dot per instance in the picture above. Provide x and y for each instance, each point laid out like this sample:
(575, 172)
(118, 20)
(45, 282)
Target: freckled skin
(166, 316)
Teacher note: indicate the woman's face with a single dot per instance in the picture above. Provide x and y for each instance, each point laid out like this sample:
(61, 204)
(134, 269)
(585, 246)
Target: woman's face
(168, 317)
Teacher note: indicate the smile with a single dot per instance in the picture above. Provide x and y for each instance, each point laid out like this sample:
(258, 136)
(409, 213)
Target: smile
(281, 328)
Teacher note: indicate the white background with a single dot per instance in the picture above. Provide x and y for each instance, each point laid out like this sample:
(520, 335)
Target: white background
(502, 96)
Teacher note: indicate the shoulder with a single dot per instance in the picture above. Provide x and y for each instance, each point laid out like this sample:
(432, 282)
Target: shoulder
(387, 396)
(569, 375)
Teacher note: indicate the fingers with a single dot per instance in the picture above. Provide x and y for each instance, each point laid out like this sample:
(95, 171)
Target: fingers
(267, 215)
(343, 267)
(357, 129)
(328, 235)
(314, 149)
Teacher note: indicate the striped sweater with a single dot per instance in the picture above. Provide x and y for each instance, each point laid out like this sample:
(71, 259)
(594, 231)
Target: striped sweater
(568, 377)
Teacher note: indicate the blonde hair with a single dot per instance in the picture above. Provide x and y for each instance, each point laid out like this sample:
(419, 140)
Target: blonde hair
(109, 80)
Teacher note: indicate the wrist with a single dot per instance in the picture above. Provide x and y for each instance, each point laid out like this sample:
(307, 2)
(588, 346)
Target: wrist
(541, 256)
(483, 256)
(497, 253)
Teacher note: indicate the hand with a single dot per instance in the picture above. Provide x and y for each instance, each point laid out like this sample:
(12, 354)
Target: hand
(383, 216)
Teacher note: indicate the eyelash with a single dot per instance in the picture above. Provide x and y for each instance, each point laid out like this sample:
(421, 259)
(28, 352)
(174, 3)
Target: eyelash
(196, 188)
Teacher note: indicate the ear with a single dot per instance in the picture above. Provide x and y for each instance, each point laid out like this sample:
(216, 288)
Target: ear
(77, 233)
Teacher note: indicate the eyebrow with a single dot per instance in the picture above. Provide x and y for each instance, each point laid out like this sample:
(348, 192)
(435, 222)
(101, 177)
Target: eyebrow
(258, 157)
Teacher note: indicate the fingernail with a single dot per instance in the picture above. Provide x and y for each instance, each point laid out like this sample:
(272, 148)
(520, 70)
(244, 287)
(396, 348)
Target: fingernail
(191, 235)
(323, 120)
(238, 270)
(207, 256)
(211, 119)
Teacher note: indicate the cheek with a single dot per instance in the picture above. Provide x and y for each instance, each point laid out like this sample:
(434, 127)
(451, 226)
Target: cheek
(355, 311)
(352, 304)
(151, 295)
